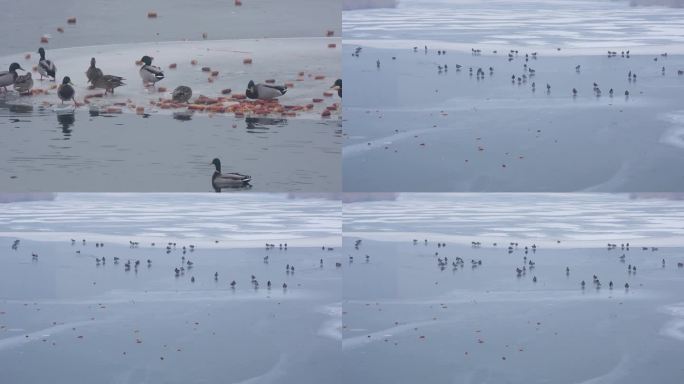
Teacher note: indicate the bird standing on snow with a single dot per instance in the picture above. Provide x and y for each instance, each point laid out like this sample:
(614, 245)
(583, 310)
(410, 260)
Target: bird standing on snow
(149, 73)
(264, 91)
(46, 67)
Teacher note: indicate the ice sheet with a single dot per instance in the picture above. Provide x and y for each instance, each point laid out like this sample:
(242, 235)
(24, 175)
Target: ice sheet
(577, 27)
(557, 221)
(200, 219)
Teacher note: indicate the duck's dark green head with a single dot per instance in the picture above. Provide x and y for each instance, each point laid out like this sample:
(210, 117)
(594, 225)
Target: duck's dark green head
(146, 60)
(251, 90)
(66, 80)
(217, 163)
(338, 85)
(42, 52)
(14, 66)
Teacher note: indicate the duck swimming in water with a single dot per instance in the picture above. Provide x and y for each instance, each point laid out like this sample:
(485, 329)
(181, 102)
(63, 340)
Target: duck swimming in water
(46, 67)
(149, 73)
(66, 91)
(181, 94)
(338, 85)
(227, 180)
(10, 76)
(264, 91)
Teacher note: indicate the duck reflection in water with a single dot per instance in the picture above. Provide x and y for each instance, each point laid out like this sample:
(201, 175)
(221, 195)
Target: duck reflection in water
(66, 120)
(263, 123)
(20, 108)
(183, 115)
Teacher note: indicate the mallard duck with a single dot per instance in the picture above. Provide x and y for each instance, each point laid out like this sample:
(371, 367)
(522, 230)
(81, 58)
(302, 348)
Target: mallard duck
(93, 72)
(10, 76)
(338, 85)
(108, 82)
(149, 73)
(181, 94)
(227, 180)
(264, 91)
(23, 83)
(46, 67)
(66, 91)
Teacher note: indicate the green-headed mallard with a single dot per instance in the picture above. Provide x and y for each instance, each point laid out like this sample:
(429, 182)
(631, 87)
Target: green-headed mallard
(46, 67)
(181, 94)
(93, 71)
(23, 83)
(149, 73)
(264, 91)
(338, 85)
(66, 90)
(227, 180)
(10, 76)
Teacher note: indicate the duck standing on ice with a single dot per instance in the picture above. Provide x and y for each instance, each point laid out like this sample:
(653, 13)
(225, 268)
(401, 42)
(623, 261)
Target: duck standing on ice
(23, 84)
(264, 91)
(66, 92)
(227, 180)
(108, 82)
(46, 68)
(100, 80)
(93, 72)
(10, 76)
(149, 73)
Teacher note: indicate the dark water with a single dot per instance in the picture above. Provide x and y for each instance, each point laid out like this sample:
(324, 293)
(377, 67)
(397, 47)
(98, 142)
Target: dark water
(407, 321)
(409, 128)
(107, 325)
(44, 151)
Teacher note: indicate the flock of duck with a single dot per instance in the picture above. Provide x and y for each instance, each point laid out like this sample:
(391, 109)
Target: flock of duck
(150, 75)
(528, 72)
(528, 265)
(186, 265)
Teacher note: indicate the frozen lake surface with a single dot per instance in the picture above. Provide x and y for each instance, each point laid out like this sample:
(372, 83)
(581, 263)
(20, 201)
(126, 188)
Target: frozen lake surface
(578, 26)
(206, 220)
(406, 319)
(103, 323)
(411, 127)
(286, 146)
